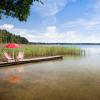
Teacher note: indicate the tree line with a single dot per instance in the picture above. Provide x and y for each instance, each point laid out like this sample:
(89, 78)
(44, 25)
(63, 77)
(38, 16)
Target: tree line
(7, 37)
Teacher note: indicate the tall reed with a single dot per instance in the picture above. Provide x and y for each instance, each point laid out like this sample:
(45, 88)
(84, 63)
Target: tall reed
(31, 51)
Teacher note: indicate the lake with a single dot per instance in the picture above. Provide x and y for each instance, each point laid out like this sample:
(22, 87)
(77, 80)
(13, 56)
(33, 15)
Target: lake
(73, 78)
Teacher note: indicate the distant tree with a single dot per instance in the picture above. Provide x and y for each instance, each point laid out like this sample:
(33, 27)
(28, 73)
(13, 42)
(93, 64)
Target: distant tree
(7, 37)
(19, 9)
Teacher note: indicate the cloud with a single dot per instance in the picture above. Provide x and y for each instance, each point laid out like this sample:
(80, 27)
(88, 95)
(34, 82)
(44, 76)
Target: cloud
(51, 7)
(66, 37)
(82, 23)
(51, 29)
(95, 10)
(52, 35)
(96, 5)
(19, 31)
(89, 22)
(7, 26)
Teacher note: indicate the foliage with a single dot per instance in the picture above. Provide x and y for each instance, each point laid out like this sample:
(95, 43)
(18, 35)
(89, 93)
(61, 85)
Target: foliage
(31, 51)
(6, 37)
(19, 9)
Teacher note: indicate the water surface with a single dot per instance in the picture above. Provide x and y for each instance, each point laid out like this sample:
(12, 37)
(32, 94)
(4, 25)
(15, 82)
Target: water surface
(73, 78)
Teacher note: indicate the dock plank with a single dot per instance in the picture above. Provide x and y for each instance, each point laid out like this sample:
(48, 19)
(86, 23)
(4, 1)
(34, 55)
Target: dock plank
(32, 60)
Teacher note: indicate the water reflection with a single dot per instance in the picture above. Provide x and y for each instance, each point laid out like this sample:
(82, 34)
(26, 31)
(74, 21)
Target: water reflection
(9, 75)
(12, 70)
(14, 79)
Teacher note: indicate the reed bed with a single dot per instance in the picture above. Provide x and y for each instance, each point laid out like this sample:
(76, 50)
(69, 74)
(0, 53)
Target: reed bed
(31, 51)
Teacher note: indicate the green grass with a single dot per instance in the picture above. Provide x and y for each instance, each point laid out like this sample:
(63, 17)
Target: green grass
(31, 51)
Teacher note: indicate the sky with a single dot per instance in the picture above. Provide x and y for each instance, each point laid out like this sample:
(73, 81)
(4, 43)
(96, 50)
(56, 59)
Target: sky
(59, 21)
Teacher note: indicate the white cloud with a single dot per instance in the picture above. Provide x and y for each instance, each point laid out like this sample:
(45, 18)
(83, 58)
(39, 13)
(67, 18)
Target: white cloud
(53, 35)
(51, 7)
(51, 29)
(82, 23)
(67, 37)
(7, 26)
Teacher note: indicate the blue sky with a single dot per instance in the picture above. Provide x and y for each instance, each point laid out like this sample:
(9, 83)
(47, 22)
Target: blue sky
(59, 21)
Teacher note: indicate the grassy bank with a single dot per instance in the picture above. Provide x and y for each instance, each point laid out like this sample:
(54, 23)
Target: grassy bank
(40, 50)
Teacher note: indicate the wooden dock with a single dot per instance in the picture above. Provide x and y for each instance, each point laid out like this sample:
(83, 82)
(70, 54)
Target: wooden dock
(32, 60)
